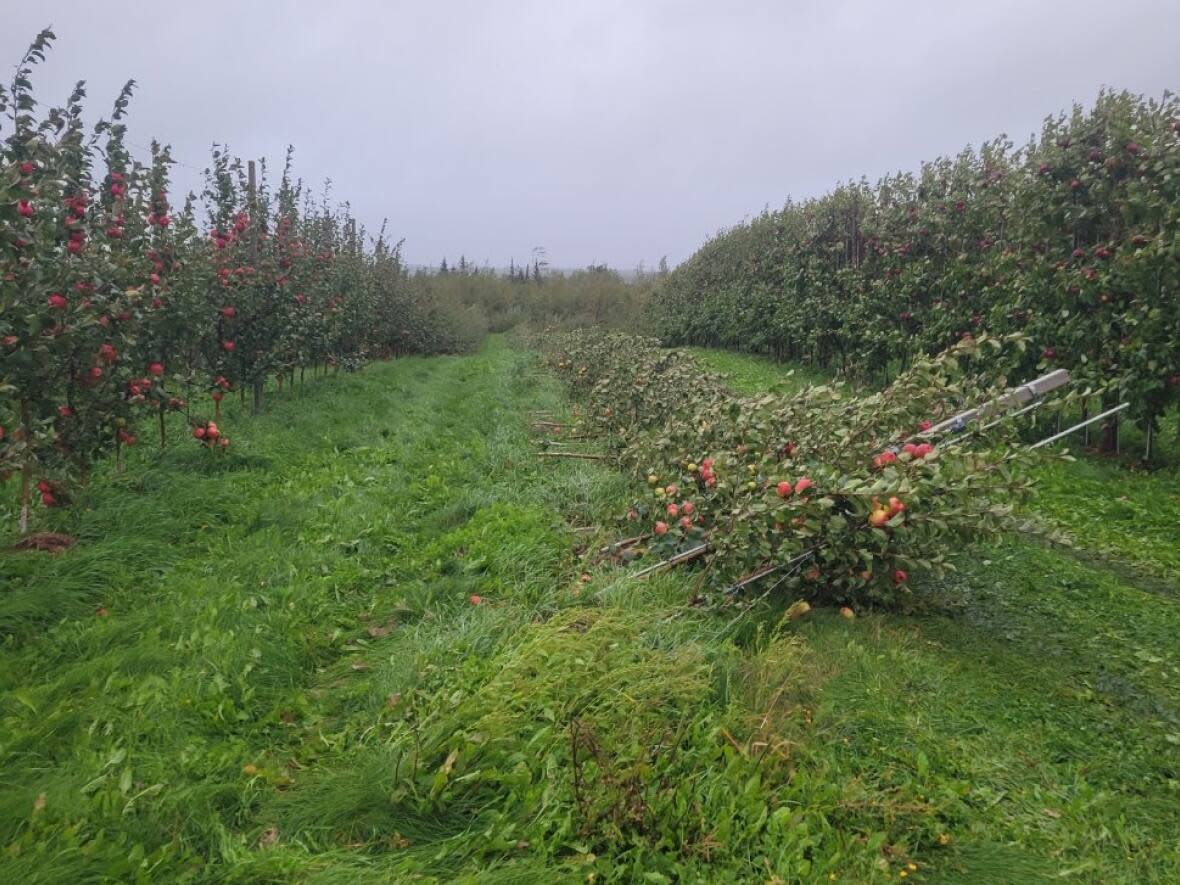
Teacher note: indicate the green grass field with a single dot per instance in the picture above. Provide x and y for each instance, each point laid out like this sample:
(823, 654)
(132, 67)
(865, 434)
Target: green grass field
(269, 668)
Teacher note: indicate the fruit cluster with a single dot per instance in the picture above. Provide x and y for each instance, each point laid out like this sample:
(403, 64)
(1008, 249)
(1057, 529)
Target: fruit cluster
(210, 436)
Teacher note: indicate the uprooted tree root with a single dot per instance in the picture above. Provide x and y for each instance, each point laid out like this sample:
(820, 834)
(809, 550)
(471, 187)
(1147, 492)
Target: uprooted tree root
(47, 542)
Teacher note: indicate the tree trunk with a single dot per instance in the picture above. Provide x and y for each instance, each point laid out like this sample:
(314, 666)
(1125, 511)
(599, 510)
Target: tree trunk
(1110, 430)
(26, 470)
(257, 397)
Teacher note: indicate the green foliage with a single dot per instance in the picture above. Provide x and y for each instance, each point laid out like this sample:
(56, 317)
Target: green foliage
(1071, 241)
(841, 491)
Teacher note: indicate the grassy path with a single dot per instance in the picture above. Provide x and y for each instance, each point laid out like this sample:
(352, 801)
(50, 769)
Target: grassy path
(269, 669)
(244, 600)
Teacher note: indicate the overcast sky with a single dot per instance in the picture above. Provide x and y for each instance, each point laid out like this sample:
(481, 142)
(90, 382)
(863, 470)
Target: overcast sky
(614, 130)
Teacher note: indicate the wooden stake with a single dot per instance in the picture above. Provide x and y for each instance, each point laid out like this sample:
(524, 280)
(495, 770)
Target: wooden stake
(580, 455)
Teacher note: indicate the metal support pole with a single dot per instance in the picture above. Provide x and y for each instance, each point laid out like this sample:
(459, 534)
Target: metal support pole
(1070, 430)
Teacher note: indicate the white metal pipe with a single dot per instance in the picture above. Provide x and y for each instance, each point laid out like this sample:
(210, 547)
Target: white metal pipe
(1070, 430)
(1017, 396)
(691, 553)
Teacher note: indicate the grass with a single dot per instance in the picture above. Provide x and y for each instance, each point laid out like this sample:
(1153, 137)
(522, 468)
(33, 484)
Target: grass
(749, 374)
(291, 684)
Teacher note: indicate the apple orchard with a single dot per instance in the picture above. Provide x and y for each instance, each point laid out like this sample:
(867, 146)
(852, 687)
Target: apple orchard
(119, 305)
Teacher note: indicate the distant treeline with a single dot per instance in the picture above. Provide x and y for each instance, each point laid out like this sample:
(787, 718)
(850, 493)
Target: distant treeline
(481, 299)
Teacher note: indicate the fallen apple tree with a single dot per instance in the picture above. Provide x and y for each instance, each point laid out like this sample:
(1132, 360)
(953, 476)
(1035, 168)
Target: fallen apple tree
(855, 492)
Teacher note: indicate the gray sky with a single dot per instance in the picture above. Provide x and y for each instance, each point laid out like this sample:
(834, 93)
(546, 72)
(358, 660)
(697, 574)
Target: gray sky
(615, 130)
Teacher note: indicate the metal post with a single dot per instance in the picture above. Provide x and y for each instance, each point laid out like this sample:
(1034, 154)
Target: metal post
(1070, 430)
